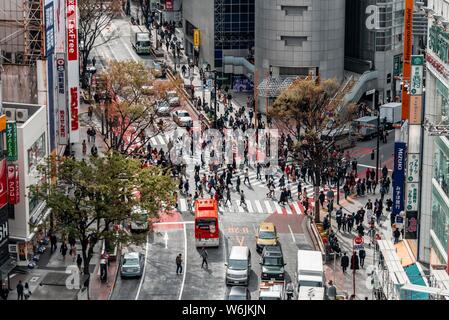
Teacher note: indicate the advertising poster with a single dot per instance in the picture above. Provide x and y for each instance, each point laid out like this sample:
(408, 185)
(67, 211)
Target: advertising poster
(411, 225)
(61, 99)
(3, 183)
(12, 184)
(11, 140)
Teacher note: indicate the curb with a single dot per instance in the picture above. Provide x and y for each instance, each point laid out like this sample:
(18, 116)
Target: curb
(117, 261)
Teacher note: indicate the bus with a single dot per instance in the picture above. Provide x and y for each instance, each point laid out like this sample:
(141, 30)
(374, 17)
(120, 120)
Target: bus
(207, 233)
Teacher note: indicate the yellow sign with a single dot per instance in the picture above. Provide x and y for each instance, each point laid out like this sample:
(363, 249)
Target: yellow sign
(196, 38)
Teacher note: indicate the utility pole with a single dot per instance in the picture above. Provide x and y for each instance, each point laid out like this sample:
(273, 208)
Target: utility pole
(216, 98)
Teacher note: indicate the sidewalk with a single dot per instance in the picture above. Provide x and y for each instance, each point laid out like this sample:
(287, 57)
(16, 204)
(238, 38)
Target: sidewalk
(344, 281)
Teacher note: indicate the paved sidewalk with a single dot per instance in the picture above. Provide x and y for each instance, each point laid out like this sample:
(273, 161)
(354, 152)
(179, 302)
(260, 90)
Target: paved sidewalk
(344, 281)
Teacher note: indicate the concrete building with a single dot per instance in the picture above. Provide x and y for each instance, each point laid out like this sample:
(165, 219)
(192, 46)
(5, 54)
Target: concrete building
(434, 213)
(374, 30)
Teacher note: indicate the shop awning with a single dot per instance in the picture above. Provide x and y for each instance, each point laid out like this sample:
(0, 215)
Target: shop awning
(405, 254)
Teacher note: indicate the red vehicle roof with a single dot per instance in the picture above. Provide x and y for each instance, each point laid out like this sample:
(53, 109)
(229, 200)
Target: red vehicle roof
(206, 208)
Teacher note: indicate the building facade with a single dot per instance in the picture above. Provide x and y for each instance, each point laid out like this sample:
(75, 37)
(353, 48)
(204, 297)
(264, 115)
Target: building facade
(374, 31)
(434, 215)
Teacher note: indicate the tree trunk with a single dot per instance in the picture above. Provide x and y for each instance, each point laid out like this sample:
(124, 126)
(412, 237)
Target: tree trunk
(316, 194)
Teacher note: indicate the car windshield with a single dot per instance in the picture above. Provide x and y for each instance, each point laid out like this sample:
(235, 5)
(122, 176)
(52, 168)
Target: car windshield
(237, 297)
(130, 261)
(269, 298)
(267, 235)
(270, 261)
(237, 264)
(205, 224)
(183, 115)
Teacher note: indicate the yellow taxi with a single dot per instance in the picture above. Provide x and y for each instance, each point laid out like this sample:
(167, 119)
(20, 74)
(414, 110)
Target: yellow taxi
(266, 236)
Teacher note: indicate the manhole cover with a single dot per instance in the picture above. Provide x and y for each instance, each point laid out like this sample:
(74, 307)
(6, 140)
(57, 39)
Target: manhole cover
(34, 279)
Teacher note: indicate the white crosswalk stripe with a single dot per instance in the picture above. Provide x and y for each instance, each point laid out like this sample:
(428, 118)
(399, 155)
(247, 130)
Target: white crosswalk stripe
(288, 209)
(278, 207)
(267, 204)
(296, 206)
(258, 206)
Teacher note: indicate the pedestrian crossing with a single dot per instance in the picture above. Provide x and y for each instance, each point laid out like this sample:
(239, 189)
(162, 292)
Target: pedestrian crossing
(253, 206)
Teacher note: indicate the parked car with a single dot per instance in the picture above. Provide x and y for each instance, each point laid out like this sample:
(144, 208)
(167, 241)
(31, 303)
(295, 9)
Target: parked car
(266, 236)
(182, 118)
(162, 108)
(239, 293)
(140, 221)
(158, 69)
(173, 98)
(272, 263)
(132, 265)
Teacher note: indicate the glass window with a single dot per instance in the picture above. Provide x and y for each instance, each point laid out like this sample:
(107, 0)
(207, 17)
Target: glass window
(36, 153)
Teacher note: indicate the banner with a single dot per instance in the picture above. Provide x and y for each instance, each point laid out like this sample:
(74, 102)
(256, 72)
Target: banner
(196, 38)
(49, 28)
(412, 192)
(411, 225)
(11, 140)
(398, 177)
(60, 31)
(72, 69)
(17, 185)
(61, 99)
(3, 184)
(413, 165)
(11, 184)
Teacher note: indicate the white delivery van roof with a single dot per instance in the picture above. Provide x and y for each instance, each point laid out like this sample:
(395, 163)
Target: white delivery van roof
(391, 105)
(310, 260)
(311, 293)
(366, 119)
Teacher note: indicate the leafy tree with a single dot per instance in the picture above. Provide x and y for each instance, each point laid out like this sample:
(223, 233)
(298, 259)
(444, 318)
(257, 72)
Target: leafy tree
(310, 105)
(89, 198)
(132, 109)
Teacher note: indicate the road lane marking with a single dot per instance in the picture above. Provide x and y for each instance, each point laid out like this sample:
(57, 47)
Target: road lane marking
(127, 48)
(249, 206)
(259, 206)
(144, 269)
(166, 239)
(296, 206)
(278, 208)
(255, 229)
(291, 232)
(240, 240)
(267, 204)
(184, 272)
(237, 203)
(371, 167)
(288, 209)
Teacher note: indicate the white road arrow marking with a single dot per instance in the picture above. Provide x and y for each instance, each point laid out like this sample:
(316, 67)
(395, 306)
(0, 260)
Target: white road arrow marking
(166, 240)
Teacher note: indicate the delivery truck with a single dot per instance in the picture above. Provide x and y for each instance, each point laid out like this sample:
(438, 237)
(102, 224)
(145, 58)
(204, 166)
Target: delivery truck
(140, 39)
(310, 269)
(390, 114)
(365, 128)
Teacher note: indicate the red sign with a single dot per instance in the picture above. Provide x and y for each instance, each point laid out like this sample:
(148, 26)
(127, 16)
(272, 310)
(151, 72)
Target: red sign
(74, 108)
(17, 185)
(72, 41)
(3, 183)
(437, 65)
(12, 184)
(168, 5)
(358, 241)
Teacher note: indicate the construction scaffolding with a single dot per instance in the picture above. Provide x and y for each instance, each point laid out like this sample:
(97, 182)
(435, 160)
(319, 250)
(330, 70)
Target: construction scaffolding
(21, 31)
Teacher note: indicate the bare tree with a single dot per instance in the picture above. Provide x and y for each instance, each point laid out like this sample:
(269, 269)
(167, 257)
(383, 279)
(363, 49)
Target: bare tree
(309, 105)
(94, 21)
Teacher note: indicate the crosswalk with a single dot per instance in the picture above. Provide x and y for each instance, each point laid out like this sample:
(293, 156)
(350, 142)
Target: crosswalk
(253, 206)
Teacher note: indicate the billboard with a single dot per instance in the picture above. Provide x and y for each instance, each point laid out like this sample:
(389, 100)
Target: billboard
(406, 67)
(399, 177)
(73, 69)
(411, 225)
(11, 140)
(3, 183)
(49, 27)
(12, 186)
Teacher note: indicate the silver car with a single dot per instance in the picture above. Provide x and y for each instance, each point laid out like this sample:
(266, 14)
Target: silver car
(182, 118)
(132, 265)
(239, 293)
(162, 108)
(238, 268)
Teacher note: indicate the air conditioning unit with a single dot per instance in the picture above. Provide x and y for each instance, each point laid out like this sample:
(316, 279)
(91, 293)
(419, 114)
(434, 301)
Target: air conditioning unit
(21, 115)
(10, 113)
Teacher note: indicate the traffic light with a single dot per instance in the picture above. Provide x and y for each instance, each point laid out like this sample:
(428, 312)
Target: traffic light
(372, 154)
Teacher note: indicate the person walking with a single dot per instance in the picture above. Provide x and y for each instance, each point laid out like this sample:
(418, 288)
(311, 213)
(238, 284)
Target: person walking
(355, 262)
(362, 255)
(247, 177)
(396, 235)
(93, 134)
(84, 147)
(242, 199)
(53, 243)
(258, 169)
(27, 291)
(344, 262)
(204, 255)
(4, 292)
(63, 250)
(79, 261)
(90, 112)
(20, 289)
(331, 291)
(179, 264)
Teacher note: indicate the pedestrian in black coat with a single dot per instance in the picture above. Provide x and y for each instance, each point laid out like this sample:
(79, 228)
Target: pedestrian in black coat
(63, 250)
(20, 290)
(344, 262)
(355, 261)
(53, 243)
(362, 255)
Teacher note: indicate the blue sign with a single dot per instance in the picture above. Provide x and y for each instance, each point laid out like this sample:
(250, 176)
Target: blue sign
(49, 29)
(399, 177)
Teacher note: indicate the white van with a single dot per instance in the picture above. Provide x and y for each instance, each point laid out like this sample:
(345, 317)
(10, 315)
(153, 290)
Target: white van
(238, 267)
(310, 269)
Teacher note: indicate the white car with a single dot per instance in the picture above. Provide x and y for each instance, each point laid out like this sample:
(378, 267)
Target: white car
(140, 221)
(173, 99)
(162, 108)
(132, 265)
(182, 118)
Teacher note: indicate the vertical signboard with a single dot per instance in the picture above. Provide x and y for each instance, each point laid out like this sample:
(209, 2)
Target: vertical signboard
(168, 5)
(411, 225)
(196, 38)
(398, 177)
(73, 69)
(61, 99)
(12, 184)
(49, 27)
(408, 38)
(17, 185)
(11, 140)
(59, 29)
(3, 183)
